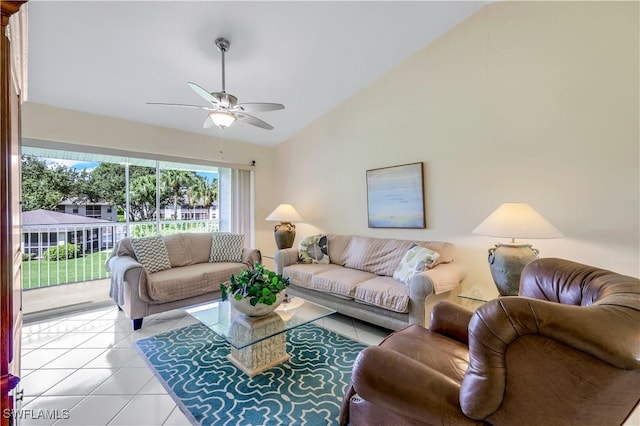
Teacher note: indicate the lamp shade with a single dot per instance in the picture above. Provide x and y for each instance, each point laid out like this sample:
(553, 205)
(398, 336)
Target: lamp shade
(284, 213)
(517, 220)
(222, 119)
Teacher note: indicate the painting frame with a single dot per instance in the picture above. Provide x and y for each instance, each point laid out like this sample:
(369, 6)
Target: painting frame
(395, 197)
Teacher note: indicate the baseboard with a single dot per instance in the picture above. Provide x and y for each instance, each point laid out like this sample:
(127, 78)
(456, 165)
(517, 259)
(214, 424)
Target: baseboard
(66, 310)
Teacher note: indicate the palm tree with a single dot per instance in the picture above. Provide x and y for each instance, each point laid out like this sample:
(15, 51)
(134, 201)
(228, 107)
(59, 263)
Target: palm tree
(177, 182)
(142, 197)
(210, 194)
(196, 193)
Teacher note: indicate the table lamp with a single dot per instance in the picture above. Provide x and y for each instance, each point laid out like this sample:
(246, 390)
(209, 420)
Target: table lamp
(285, 232)
(506, 260)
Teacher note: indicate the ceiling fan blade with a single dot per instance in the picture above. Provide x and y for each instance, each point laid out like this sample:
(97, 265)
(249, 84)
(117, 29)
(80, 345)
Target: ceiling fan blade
(254, 121)
(180, 105)
(258, 107)
(202, 92)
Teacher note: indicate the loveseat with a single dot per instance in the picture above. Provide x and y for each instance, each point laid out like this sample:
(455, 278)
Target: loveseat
(355, 276)
(156, 274)
(566, 351)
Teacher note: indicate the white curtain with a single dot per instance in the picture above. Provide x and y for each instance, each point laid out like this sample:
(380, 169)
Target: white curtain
(17, 34)
(237, 212)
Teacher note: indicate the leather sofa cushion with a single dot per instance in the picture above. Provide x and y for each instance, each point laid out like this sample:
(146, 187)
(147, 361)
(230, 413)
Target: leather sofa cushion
(384, 292)
(443, 355)
(190, 281)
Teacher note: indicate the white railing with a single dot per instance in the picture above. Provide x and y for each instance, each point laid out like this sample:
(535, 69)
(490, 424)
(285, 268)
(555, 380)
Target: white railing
(61, 254)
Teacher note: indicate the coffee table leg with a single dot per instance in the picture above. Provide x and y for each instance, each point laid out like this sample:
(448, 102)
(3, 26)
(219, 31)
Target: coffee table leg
(261, 356)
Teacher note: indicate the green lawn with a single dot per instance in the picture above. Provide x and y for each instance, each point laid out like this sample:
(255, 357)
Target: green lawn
(42, 273)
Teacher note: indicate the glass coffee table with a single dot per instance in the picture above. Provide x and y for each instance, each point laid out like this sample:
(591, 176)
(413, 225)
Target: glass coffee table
(257, 343)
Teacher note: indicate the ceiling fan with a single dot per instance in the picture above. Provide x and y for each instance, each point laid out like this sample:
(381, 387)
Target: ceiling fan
(225, 109)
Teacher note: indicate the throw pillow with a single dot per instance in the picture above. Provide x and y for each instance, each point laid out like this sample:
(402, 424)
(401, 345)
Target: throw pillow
(415, 260)
(226, 247)
(151, 253)
(314, 249)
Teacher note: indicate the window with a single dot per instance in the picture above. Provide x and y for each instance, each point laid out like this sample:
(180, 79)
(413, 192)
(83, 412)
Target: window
(94, 211)
(151, 192)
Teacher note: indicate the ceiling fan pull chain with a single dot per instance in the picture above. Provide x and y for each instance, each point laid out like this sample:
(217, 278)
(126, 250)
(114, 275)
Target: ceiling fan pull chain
(221, 152)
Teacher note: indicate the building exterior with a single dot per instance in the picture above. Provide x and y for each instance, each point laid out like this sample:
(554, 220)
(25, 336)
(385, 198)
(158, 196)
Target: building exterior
(96, 210)
(42, 229)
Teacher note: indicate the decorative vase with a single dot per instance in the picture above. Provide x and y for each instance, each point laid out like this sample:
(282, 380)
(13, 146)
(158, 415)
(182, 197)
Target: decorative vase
(259, 310)
(506, 262)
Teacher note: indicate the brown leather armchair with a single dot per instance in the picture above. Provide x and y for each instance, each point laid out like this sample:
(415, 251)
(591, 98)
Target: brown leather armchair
(565, 351)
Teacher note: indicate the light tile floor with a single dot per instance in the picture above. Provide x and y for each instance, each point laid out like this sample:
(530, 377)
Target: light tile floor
(86, 363)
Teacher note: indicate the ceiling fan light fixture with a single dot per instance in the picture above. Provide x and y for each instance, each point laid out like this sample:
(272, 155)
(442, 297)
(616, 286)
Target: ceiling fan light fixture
(222, 119)
(223, 107)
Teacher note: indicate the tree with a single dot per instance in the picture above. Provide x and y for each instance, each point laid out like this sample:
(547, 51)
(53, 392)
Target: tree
(177, 182)
(202, 192)
(142, 197)
(45, 186)
(108, 183)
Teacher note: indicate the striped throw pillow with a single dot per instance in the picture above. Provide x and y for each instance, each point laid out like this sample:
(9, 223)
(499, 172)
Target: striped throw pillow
(151, 253)
(226, 247)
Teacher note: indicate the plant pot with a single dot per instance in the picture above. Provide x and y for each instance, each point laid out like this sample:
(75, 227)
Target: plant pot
(259, 310)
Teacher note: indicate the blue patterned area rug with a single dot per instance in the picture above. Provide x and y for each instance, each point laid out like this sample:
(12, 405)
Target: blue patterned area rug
(192, 365)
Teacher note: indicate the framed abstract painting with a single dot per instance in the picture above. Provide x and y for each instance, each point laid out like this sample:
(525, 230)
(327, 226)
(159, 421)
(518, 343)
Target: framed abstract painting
(395, 197)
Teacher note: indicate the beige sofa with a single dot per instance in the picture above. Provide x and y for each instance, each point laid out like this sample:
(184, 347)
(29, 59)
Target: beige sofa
(191, 278)
(359, 282)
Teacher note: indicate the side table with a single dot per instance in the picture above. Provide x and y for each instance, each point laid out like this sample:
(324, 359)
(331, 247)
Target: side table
(475, 296)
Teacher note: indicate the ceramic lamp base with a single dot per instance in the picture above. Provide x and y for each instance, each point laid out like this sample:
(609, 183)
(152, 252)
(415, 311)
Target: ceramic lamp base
(284, 233)
(506, 262)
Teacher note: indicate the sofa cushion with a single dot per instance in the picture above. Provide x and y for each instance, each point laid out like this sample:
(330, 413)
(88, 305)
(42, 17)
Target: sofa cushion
(379, 256)
(190, 281)
(188, 248)
(314, 249)
(151, 253)
(178, 250)
(226, 247)
(384, 292)
(416, 259)
(302, 273)
(340, 281)
(337, 246)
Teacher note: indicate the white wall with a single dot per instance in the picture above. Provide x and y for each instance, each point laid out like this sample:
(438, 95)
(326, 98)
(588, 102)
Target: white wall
(61, 125)
(523, 102)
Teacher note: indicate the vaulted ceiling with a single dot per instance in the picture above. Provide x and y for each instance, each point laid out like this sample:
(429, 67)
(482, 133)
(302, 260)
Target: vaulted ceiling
(111, 57)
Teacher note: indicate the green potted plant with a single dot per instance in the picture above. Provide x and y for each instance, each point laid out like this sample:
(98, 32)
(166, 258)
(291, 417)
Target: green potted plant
(255, 292)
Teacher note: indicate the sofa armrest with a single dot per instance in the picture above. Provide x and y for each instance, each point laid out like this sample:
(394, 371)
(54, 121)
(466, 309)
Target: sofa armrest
(250, 256)
(445, 276)
(451, 320)
(284, 258)
(126, 270)
(398, 383)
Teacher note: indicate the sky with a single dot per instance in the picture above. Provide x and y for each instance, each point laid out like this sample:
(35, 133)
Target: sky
(83, 165)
